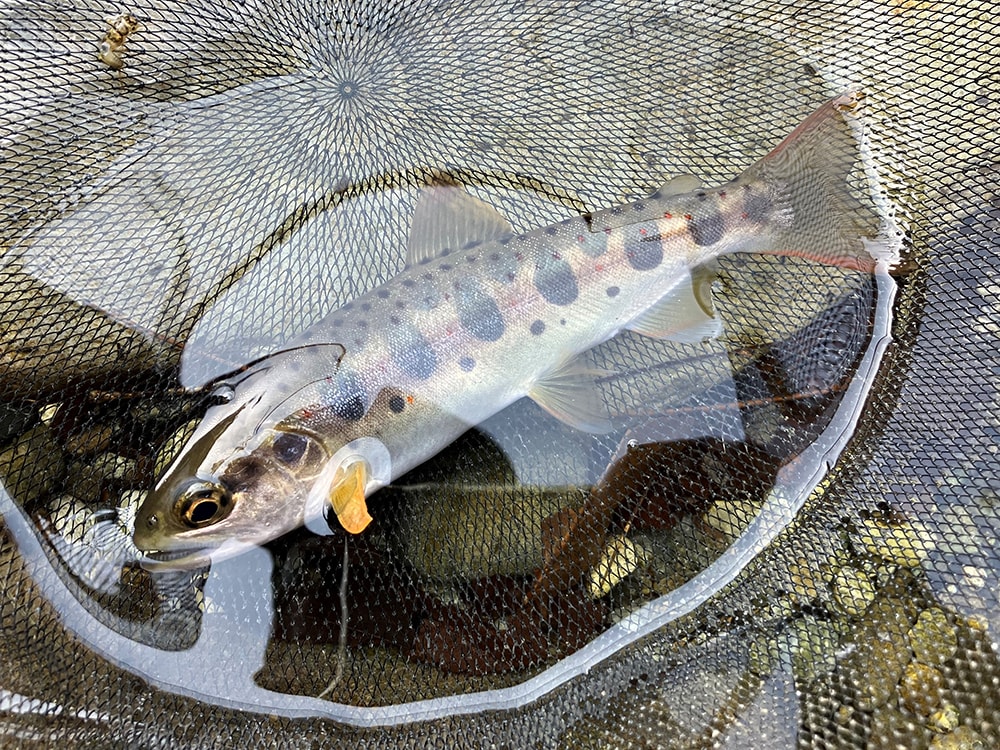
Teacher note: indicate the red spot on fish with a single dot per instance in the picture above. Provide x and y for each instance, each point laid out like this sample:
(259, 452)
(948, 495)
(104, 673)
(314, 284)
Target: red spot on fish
(579, 238)
(519, 256)
(556, 256)
(722, 193)
(642, 232)
(687, 216)
(607, 230)
(308, 413)
(745, 215)
(667, 215)
(598, 267)
(409, 399)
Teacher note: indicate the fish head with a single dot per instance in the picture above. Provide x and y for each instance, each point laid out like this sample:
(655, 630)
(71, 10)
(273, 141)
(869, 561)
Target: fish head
(241, 481)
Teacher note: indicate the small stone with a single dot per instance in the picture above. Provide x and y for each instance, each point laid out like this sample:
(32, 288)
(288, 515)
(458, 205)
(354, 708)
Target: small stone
(71, 518)
(920, 688)
(92, 440)
(804, 579)
(730, 517)
(962, 738)
(48, 414)
(853, 592)
(114, 466)
(32, 466)
(173, 445)
(945, 719)
(618, 561)
(815, 649)
(905, 543)
(932, 637)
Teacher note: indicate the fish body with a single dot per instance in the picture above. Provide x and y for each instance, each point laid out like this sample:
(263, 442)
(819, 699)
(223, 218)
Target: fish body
(480, 318)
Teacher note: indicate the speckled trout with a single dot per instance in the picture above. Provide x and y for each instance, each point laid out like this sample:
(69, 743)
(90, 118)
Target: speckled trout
(480, 317)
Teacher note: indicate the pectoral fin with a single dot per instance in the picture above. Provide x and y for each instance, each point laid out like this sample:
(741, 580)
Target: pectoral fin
(347, 496)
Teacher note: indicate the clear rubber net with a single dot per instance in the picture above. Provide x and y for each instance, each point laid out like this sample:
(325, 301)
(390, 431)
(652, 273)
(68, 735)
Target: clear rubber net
(791, 544)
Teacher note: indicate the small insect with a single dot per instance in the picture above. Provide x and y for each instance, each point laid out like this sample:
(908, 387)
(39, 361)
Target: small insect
(113, 44)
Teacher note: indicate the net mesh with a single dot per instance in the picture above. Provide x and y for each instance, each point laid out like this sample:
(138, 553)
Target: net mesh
(791, 545)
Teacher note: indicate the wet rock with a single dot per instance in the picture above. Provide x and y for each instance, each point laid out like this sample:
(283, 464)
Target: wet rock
(905, 543)
(471, 531)
(730, 517)
(619, 560)
(881, 653)
(92, 440)
(853, 591)
(32, 466)
(962, 738)
(932, 637)
(920, 688)
(893, 729)
(944, 719)
(815, 650)
(172, 446)
(14, 421)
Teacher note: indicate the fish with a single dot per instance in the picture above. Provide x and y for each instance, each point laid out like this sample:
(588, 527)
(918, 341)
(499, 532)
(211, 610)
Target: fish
(480, 317)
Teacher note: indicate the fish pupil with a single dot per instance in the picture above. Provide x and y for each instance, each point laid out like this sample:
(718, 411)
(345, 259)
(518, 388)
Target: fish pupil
(203, 504)
(289, 447)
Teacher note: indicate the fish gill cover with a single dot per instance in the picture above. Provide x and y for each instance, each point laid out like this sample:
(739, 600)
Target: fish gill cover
(785, 535)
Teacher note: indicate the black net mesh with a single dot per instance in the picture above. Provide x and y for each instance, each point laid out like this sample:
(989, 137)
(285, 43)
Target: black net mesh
(789, 541)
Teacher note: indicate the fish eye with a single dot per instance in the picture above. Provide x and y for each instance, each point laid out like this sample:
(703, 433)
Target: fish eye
(203, 503)
(289, 447)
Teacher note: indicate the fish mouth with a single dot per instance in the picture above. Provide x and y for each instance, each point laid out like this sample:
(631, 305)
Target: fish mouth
(162, 560)
(155, 560)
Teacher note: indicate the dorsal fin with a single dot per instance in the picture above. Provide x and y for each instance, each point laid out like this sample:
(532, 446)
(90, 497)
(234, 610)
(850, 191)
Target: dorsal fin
(448, 218)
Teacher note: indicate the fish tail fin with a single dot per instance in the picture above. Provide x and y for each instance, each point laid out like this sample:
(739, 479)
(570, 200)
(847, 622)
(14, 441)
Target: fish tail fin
(812, 195)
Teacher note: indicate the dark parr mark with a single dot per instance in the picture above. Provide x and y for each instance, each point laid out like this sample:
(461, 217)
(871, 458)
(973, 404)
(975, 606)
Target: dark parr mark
(537, 328)
(645, 256)
(613, 291)
(411, 352)
(555, 281)
(383, 293)
(397, 404)
(467, 363)
(477, 311)
(345, 396)
(756, 206)
(706, 229)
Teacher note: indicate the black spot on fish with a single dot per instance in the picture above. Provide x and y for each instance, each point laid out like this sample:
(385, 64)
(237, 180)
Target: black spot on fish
(537, 328)
(338, 322)
(467, 363)
(494, 257)
(366, 306)
(757, 207)
(428, 277)
(471, 258)
(551, 231)
(706, 229)
(383, 293)
(400, 305)
(472, 244)
(702, 195)
(445, 266)
(411, 352)
(348, 306)
(397, 404)
(394, 319)
(478, 312)
(613, 291)
(409, 283)
(645, 256)
(362, 324)
(640, 206)
(345, 395)
(555, 281)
